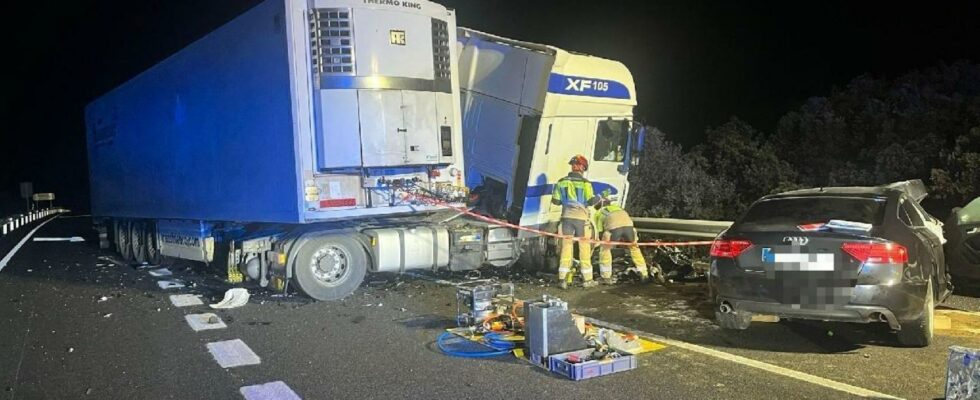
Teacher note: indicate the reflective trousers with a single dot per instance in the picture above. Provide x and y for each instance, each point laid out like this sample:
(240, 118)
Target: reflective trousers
(579, 229)
(625, 234)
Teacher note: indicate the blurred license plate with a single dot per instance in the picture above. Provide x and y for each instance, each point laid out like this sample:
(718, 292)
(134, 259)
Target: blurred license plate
(798, 261)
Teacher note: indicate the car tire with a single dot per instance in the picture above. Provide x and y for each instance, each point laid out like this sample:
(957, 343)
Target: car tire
(329, 267)
(735, 320)
(151, 244)
(919, 332)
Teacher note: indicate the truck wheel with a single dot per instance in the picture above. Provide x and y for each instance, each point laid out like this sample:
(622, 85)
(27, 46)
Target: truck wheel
(137, 235)
(918, 332)
(150, 241)
(124, 244)
(329, 267)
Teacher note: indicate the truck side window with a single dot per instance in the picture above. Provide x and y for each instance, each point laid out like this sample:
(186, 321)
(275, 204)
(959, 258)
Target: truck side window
(610, 140)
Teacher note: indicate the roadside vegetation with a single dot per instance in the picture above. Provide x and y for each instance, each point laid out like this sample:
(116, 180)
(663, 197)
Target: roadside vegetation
(922, 125)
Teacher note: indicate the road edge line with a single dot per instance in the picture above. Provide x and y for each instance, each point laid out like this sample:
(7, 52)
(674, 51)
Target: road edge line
(772, 368)
(6, 259)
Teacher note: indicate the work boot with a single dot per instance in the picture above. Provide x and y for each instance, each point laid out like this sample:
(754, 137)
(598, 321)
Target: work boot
(589, 284)
(608, 281)
(563, 284)
(644, 278)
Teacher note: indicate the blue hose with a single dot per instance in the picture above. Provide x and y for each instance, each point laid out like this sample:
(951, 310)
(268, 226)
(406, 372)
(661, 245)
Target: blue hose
(501, 347)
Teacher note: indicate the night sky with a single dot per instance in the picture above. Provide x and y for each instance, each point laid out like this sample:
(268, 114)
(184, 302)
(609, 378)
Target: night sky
(695, 63)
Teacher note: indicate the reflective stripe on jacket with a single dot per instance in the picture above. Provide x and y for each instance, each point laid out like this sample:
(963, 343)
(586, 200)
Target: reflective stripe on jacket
(574, 193)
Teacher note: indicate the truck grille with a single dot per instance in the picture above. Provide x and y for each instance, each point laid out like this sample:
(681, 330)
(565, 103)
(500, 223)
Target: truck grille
(440, 49)
(332, 41)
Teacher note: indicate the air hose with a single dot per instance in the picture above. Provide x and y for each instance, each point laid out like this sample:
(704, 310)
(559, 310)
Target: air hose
(499, 345)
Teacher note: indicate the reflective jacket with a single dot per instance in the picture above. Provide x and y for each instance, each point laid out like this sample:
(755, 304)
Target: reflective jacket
(574, 194)
(611, 217)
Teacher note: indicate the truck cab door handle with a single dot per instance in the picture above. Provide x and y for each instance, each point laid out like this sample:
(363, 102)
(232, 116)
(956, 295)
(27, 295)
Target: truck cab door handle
(402, 130)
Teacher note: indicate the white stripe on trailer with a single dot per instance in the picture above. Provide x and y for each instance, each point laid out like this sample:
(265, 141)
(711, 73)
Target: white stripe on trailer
(6, 259)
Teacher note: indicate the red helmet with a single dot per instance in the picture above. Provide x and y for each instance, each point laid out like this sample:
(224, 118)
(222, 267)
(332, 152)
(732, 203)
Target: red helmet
(580, 161)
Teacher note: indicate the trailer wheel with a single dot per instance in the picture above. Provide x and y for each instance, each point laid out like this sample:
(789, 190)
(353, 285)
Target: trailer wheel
(124, 243)
(150, 242)
(138, 237)
(329, 267)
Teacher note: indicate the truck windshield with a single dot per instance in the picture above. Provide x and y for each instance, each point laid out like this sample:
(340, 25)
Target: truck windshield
(610, 140)
(788, 213)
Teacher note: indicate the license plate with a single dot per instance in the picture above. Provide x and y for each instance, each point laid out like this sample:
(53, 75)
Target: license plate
(798, 261)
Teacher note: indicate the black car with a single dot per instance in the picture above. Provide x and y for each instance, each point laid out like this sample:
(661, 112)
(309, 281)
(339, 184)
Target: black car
(853, 254)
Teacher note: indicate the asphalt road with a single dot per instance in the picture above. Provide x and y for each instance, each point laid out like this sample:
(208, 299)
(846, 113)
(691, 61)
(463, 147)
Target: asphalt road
(77, 325)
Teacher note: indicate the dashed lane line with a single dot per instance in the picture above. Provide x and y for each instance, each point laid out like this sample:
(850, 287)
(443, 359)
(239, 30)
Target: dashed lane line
(6, 259)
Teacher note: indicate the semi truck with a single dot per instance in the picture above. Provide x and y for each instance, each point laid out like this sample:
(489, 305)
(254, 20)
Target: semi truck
(306, 143)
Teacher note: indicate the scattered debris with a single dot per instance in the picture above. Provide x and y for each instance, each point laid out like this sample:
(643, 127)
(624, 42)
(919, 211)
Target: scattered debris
(160, 272)
(170, 284)
(103, 298)
(268, 391)
(71, 349)
(234, 298)
(107, 315)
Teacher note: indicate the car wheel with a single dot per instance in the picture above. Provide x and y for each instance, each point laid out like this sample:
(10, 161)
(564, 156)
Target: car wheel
(329, 267)
(918, 332)
(736, 320)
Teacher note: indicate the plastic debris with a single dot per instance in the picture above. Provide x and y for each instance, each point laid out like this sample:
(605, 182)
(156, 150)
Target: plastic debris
(107, 315)
(103, 298)
(185, 300)
(234, 298)
(963, 373)
(206, 321)
(233, 353)
(269, 391)
(160, 272)
(170, 284)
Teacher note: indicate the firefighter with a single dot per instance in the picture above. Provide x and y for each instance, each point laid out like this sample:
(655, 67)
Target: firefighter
(614, 224)
(574, 194)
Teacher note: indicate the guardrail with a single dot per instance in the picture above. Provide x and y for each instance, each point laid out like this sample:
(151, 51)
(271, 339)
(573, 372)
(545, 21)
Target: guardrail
(686, 228)
(13, 223)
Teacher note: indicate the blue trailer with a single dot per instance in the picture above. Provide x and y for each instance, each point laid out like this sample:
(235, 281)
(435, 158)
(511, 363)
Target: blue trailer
(302, 143)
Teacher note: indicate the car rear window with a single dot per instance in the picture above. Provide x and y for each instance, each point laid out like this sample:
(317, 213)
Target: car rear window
(794, 211)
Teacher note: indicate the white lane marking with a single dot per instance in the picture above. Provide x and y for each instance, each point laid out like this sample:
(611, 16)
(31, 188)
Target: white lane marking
(233, 353)
(203, 322)
(185, 300)
(6, 259)
(775, 369)
(59, 239)
(277, 390)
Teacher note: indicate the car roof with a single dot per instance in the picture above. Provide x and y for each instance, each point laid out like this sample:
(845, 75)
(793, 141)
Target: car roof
(852, 191)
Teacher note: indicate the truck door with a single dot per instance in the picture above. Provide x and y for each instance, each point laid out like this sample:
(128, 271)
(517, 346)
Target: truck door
(383, 129)
(420, 130)
(606, 154)
(564, 138)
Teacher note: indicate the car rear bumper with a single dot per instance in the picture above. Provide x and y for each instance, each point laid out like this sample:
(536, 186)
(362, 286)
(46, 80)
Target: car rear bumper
(847, 313)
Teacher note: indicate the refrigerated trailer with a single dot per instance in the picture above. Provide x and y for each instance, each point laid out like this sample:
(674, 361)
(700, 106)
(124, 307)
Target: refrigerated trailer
(302, 143)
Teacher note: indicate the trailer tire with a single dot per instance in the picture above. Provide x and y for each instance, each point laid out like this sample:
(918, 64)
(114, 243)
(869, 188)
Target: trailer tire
(151, 244)
(329, 267)
(124, 244)
(137, 233)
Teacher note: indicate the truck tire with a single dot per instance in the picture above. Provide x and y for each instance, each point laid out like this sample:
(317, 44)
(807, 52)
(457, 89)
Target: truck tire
(152, 246)
(124, 244)
(137, 233)
(329, 267)
(918, 332)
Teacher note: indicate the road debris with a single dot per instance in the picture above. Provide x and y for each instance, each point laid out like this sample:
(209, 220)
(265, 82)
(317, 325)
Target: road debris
(185, 300)
(234, 298)
(175, 284)
(160, 272)
(206, 321)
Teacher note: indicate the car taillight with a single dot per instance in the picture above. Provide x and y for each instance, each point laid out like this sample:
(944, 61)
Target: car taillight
(880, 253)
(729, 248)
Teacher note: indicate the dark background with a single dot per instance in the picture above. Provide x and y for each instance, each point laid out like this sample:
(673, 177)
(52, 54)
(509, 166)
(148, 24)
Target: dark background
(695, 63)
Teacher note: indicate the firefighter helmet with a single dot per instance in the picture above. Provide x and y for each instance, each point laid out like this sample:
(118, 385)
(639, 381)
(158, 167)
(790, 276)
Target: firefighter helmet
(579, 160)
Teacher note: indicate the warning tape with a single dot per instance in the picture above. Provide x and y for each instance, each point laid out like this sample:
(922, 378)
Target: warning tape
(467, 211)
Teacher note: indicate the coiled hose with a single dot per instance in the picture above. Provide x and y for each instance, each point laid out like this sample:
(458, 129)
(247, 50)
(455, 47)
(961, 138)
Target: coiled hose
(495, 341)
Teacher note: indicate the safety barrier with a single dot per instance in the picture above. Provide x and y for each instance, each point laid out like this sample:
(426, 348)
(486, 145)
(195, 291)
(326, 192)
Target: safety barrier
(16, 222)
(686, 228)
